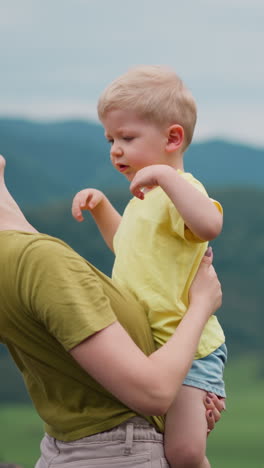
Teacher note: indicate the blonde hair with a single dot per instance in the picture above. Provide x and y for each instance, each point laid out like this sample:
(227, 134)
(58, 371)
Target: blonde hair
(156, 93)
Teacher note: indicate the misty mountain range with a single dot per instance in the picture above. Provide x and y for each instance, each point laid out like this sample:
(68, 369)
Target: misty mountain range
(47, 161)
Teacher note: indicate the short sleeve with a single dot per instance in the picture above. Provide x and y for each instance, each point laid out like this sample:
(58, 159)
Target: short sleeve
(177, 222)
(62, 292)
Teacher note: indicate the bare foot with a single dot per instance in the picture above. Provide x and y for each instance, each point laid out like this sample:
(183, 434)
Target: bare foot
(11, 217)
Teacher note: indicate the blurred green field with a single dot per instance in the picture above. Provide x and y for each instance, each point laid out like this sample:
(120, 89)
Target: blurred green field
(21, 432)
(238, 440)
(236, 443)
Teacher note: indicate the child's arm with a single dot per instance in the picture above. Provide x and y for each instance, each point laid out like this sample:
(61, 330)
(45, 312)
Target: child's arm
(199, 213)
(103, 212)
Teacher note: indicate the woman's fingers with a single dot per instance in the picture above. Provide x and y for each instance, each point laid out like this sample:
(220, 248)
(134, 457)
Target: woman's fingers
(219, 402)
(209, 252)
(214, 406)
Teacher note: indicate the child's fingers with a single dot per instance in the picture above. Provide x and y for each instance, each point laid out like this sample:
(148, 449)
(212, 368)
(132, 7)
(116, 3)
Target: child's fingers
(135, 188)
(92, 200)
(78, 204)
(138, 184)
(76, 211)
(86, 199)
(138, 193)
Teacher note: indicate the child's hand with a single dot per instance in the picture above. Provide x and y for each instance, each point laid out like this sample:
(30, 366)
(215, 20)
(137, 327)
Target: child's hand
(86, 199)
(147, 177)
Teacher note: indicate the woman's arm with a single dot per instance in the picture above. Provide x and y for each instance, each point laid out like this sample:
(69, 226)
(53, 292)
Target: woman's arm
(149, 384)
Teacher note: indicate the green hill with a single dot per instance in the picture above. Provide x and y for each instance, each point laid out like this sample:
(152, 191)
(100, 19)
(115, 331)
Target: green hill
(219, 163)
(48, 161)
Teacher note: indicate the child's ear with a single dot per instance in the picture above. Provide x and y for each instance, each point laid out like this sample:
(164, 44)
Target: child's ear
(175, 137)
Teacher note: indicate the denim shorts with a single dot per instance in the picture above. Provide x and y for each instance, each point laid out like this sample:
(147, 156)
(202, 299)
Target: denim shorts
(207, 373)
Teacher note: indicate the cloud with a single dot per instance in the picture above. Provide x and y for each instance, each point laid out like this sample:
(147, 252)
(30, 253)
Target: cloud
(249, 4)
(15, 14)
(57, 56)
(50, 109)
(242, 122)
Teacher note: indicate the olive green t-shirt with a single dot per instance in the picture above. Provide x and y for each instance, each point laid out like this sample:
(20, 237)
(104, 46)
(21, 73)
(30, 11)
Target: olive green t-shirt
(51, 299)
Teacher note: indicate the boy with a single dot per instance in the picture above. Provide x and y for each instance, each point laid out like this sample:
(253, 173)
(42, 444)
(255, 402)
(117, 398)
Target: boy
(149, 118)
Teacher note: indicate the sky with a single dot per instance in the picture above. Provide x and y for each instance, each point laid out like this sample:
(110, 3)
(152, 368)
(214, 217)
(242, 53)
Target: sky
(56, 56)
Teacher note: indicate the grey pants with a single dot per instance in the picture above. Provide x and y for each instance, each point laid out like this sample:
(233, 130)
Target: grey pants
(132, 444)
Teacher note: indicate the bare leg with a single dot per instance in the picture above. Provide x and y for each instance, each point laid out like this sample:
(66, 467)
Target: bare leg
(186, 430)
(11, 217)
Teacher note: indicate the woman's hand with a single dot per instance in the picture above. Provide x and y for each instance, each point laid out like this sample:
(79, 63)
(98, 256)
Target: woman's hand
(214, 406)
(205, 289)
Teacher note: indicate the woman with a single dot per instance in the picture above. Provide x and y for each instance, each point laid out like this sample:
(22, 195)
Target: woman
(86, 352)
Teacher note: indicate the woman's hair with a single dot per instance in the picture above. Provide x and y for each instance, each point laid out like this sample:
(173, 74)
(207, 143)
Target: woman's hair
(156, 93)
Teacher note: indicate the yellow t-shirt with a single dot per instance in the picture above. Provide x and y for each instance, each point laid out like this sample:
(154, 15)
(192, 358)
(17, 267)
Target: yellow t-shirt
(51, 299)
(156, 260)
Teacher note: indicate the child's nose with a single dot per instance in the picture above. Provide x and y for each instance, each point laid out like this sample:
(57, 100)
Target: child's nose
(116, 150)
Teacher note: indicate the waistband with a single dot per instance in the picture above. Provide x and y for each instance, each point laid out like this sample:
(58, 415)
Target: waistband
(136, 428)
